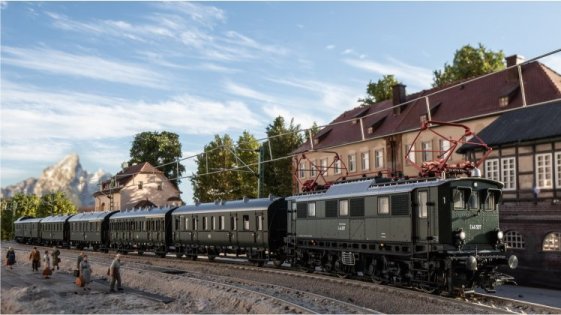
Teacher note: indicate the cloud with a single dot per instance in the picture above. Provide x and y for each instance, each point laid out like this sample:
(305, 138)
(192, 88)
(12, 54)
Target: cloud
(330, 47)
(30, 113)
(86, 66)
(416, 76)
(244, 91)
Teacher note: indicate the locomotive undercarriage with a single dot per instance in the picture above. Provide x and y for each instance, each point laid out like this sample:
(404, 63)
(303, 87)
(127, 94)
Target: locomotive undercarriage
(433, 272)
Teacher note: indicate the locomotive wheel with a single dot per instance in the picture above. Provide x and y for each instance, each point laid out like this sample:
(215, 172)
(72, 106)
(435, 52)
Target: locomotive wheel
(211, 257)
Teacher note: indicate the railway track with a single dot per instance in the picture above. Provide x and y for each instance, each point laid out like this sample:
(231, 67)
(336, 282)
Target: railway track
(481, 303)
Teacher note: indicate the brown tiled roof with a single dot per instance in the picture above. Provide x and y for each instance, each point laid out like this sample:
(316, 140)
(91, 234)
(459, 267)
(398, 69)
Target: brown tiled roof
(454, 103)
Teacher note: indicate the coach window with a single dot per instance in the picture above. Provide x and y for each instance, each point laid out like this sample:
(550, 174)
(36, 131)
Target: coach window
(177, 221)
(233, 223)
(422, 198)
(260, 222)
(205, 223)
(186, 224)
(383, 205)
(343, 208)
(312, 209)
(213, 222)
(221, 223)
(246, 222)
(195, 224)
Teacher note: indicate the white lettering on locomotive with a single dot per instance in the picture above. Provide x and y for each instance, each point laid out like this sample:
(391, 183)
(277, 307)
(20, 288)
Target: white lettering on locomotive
(475, 226)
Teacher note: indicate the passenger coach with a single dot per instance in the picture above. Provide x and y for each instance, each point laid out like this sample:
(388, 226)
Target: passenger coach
(90, 229)
(55, 230)
(28, 230)
(251, 227)
(141, 230)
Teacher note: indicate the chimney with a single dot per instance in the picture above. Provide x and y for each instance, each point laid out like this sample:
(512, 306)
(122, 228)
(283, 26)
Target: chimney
(398, 97)
(513, 61)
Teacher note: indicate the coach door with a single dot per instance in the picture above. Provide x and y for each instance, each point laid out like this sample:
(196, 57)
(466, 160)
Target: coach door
(421, 216)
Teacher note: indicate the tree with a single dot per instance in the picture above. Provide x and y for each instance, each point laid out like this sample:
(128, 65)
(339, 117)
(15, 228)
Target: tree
(248, 154)
(379, 91)
(469, 62)
(283, 140)
(159, 148)
(21, 205)
(213, 180)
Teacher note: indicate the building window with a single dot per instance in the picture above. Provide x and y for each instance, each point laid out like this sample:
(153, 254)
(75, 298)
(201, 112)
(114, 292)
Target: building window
(337, 167)
(492, 169)
(365, 161)
(423, 197)
(302, 170)
(313, 168)
(514, 239)
(343, 208)
(444, 146)
(312, 209)
(427, 151)
(503, 101)
(543, 170)
(410, 155)
(508, 173)
(558, 168)
(383, 205)
(323, 166)
(352, 162)
(551, 242)
(140, 184)
(379, 158)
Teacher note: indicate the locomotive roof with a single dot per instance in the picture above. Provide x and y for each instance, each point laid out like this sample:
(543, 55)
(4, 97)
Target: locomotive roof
(91, 216)
(372, 187)
(146, 213)
(28, 220)
(56, 218)
(233, 205)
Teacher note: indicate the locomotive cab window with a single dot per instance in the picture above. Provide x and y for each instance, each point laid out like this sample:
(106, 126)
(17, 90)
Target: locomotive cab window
(460, 197)
(343, 208)
(473, 200)
(383, 205)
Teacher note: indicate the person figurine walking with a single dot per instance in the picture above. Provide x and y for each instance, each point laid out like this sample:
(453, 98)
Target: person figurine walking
(56, 260)
(10, 257)
(35, 258)
(78, 261)
(47, 260)
(85, 272)
(115, 272)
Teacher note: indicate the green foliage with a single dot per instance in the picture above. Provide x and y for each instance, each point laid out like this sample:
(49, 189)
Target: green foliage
(379, 91)
(21, 205)
(220, 157)
(278, 174)
(315, 129)
(469, 62)
(158, 148)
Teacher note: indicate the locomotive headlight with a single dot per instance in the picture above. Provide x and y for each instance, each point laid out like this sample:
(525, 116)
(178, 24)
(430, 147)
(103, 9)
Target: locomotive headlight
(471, 263)
(500, 235)
(512, 262)
(462, 235)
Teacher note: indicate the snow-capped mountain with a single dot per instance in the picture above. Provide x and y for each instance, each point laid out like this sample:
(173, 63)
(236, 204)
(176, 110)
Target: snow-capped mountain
(67, 176)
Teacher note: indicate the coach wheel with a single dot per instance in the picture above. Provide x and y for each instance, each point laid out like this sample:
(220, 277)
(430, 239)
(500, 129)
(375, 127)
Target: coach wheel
(140, 253)
(194, 257)
(277, 262)
(178, 255)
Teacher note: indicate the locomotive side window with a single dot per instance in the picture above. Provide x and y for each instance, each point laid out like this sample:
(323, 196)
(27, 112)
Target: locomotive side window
(312, 209)
(246, 222)
(343, 208)
(357, 207)
(331, 209)
(302, 210)
(383, 205)
(422, 198)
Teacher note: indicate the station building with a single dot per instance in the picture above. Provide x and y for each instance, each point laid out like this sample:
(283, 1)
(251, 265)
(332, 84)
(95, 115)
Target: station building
(376, 140)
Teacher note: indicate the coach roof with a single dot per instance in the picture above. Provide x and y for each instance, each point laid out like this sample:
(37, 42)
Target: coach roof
(234, 205)
(136, 213)
(91, 216)
(56, 218)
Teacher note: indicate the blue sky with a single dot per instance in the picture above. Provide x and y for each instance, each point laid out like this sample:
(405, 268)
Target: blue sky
(85, 77)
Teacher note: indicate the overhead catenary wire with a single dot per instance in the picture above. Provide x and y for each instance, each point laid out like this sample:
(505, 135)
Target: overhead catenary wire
(346, 121)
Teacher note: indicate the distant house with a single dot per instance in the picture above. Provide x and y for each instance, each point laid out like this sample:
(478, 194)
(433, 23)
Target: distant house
(138, 186)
